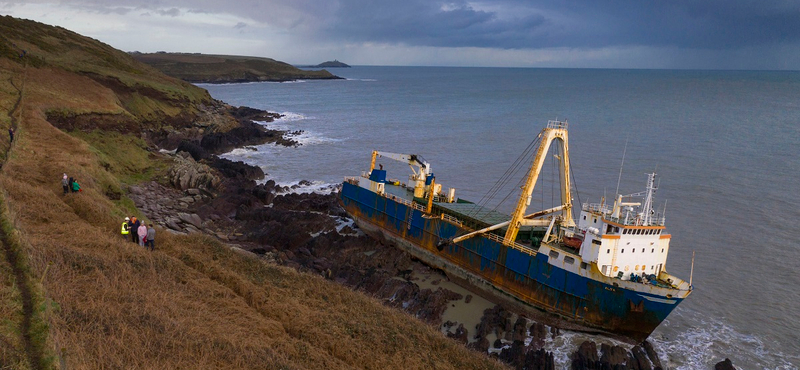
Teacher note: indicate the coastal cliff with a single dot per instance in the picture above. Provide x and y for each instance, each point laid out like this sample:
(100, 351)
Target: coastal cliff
(204, 68)
(75, 294)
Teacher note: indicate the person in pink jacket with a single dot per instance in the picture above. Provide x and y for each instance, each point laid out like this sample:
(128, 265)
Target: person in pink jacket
(142, 232)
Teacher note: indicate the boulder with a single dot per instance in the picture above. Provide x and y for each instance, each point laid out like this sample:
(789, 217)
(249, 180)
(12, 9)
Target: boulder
(585, 358)
(724, 365)
(186, 173)
(192, 219)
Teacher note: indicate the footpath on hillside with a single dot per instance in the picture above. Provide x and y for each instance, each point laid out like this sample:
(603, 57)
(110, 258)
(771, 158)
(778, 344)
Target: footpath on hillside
(13, 252)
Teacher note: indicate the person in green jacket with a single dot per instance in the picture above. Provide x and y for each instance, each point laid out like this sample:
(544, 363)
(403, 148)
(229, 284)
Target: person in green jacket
(75, 187)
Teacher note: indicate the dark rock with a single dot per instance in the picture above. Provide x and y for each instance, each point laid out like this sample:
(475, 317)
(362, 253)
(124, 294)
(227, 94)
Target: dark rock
(461, 334)
(236, 169)
(519, 329)
(640, 359)
(724, 365)
(539, 360)
(652, 355)
(613, 355)
(513, 354)
(468, 298)
(196, 151)
(497, 343)
(585, 358)
(538, 334)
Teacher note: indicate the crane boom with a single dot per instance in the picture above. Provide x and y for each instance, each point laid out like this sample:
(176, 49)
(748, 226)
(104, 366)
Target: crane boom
(423, 167)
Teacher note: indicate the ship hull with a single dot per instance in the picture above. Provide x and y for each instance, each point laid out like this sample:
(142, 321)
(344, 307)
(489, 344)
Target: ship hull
(570, 297)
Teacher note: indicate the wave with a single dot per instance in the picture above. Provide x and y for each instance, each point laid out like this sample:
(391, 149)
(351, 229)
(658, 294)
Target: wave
(361, 79)
(307, 187)
(311, 138)
(710, 341)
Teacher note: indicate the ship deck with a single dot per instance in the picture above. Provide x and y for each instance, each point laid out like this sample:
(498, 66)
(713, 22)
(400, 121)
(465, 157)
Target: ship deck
(470, 213)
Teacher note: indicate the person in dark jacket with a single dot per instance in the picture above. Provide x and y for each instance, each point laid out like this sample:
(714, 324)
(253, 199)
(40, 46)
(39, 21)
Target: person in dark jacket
(69, 184)
(130, 227)
(134, 230)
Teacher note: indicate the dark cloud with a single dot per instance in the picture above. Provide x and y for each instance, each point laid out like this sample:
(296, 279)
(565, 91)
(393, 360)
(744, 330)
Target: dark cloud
(519, 24)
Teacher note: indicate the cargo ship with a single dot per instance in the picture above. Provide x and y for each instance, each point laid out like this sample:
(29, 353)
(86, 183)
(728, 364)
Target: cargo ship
(605, 273)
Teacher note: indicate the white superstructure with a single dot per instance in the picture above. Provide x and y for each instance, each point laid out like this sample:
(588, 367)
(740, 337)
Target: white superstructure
(626, 238)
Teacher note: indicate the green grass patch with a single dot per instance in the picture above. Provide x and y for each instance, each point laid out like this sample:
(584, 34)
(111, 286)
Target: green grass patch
(124, 156)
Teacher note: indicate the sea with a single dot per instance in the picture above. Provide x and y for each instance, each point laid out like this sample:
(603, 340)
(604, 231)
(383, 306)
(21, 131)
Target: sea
(725, 146)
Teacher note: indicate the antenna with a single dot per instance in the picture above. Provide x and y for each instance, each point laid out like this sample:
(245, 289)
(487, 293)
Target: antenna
(622, 164)
(691, 272)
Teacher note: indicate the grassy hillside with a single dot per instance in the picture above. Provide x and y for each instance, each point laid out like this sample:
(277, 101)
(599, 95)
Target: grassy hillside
(227, 68)
(74, 295)
(107, 85)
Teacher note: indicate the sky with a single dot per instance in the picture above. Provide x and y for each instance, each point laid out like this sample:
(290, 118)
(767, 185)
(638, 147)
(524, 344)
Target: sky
(657, 34)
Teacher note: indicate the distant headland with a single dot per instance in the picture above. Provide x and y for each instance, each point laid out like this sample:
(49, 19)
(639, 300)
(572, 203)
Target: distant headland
(331, 64)
(207, 68)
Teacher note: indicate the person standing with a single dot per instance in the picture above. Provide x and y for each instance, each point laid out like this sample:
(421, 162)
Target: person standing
(11, 134)
(151, 238)
(125, 228)
(65, 183)
(135, 230)
(69, 184)
(142, 232)
(131, 230)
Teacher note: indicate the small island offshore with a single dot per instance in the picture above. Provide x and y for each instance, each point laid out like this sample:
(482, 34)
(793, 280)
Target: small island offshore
(331, 64)
(206, 68)
(244, 274)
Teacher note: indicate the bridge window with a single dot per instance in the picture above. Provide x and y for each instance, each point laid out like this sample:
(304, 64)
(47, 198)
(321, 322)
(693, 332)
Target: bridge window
(642, 250)
(662, 250)
(584, 265)
(569, 260)
(553, 254)
(608, 251)
(623, 251)
(652, 250)
(584, 217)
(634, 250)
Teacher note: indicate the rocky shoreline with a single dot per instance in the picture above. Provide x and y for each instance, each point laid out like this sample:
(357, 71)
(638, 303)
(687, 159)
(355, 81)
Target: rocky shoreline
(310, 232)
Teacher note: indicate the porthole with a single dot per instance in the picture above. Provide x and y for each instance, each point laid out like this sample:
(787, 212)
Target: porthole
(584, 265)
(553, 254)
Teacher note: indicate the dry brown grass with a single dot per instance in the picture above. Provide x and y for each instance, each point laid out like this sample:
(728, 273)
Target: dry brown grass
(194, 303)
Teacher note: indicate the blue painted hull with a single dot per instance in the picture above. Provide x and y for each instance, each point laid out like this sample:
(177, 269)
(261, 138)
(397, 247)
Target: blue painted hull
(581, 300)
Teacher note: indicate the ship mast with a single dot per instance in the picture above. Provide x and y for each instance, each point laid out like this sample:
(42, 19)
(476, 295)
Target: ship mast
(554, 130)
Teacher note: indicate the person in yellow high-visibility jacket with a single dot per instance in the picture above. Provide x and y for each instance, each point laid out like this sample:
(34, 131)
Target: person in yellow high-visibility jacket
(125, 228)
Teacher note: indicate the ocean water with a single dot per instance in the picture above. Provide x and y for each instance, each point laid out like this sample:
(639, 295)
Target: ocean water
(725, 144)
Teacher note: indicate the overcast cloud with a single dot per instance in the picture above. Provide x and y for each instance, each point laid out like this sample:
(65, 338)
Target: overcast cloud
(709, 34)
